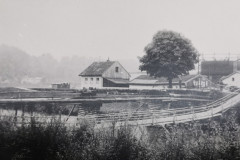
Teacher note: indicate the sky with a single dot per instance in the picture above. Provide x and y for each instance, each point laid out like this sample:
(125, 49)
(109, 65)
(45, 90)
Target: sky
(118, 29)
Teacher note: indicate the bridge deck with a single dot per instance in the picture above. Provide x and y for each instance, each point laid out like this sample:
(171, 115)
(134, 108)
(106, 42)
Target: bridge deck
(181, 115)
(143, 118)
(112, 99)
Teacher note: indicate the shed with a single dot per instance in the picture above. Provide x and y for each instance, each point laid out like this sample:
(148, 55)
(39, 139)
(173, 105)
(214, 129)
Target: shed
(186, 81)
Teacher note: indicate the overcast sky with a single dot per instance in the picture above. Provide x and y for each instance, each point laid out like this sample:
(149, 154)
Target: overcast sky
(118, 28)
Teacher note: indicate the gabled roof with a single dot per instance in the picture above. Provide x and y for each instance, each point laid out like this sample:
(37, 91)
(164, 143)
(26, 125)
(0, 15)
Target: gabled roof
(146, 79)
(118, 80)
(187, 78)
(225, 77)
(97, 68)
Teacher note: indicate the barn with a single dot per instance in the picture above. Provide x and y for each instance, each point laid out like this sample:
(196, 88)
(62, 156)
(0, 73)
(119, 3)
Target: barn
(108, 74)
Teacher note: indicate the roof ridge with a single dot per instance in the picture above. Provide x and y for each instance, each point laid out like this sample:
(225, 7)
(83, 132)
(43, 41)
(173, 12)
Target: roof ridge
(225, 77)
(97, 68)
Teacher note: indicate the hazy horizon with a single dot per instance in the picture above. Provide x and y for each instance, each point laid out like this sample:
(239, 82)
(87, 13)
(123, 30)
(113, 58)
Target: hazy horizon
(118, 29)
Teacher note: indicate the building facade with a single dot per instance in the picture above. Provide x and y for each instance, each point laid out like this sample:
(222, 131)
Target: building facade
(104, 74)
(232, 79)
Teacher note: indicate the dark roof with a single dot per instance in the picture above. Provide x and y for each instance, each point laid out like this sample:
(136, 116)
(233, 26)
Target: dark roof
(225, 77)
(118, 80)
(186, 78)
(146, 79)
(97, 68)
(217, 68)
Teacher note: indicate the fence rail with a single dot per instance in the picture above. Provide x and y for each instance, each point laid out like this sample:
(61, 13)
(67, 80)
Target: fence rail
(153, 116)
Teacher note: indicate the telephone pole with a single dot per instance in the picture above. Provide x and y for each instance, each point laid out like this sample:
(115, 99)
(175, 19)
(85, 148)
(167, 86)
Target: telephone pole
(199, 80)
(199, 63)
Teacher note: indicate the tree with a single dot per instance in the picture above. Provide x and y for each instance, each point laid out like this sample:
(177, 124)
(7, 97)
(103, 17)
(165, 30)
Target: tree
(168, 55)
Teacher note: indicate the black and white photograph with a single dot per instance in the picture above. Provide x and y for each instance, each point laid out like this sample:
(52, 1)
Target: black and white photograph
(119, 80)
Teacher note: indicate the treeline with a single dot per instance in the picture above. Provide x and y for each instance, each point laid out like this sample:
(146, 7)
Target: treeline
(15, 65)
(208, 140)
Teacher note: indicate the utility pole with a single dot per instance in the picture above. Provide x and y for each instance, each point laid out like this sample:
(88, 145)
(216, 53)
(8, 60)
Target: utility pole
(199, 70)
(198, 63)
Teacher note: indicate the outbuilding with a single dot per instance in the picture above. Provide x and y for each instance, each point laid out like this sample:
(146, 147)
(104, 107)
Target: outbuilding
(186, 81)
(232, 79)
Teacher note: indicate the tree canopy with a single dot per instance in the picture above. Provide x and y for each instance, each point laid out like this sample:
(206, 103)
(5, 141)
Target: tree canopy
(16, 65)
(169, 55)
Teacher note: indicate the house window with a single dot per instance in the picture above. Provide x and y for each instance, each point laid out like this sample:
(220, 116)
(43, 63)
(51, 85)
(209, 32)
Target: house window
(86, 80)
(97, 80)
(91, 80)
(233, 79)
(116, 69)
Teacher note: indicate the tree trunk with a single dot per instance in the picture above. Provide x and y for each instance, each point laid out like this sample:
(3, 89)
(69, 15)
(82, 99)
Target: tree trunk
(169, 82)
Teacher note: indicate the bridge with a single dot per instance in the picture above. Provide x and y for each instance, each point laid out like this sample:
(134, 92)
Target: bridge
(103, 100)
(150, 117)
(167, 116)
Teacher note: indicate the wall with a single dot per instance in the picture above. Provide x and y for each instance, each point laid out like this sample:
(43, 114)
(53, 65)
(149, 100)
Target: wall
(91, 83)
(111, 73)
(196, 83)
(229, 81)
(107, 83)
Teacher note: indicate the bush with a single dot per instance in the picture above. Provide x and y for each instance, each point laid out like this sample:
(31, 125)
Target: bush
(216, 138)
(55, 141)
(33, 141)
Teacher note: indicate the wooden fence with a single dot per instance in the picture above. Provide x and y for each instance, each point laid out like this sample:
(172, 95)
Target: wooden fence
(153, 116)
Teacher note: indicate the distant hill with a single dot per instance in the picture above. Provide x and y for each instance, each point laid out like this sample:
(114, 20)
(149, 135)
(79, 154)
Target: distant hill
(18, 68)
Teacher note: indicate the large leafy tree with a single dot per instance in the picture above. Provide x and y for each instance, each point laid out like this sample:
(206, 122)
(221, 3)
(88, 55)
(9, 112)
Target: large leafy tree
(169, 55)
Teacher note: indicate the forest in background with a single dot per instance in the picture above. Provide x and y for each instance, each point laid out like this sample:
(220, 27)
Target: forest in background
(18, 68)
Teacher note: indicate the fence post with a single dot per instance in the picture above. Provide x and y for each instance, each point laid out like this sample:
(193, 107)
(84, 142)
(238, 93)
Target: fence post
(31, 113)
(169, 105)
(60, 113)
(15, 116)
(152, 119)
(174, 116)
(23, 112)
(212, 111)
(192, 111)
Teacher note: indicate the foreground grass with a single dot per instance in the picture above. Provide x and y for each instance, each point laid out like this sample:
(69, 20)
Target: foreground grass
(210, 139)
(55, 141)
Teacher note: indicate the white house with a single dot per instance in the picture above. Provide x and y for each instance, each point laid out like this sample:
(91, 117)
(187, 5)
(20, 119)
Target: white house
(186, 81)
(232, 79)
(106, 74)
